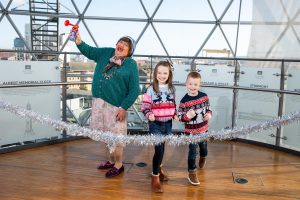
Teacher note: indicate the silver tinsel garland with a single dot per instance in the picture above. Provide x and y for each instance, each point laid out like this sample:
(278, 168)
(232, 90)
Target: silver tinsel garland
(112, 139)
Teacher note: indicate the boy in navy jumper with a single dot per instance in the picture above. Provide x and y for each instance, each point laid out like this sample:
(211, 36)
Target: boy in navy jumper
(194, 110)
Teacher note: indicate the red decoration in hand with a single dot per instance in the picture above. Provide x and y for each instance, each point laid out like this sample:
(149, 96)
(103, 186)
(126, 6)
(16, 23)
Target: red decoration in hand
(75, 26)
(73, 31)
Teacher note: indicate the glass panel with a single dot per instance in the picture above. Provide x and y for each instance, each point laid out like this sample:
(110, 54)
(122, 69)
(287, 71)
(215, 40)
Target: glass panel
(275, 10)
(4, 3)
(189, 37)
(180, 92)
(151, 6)
(220, 99)
(79, 108)
(271, 26)
(108, 36)
(16, 5)
(41, 100)
(216, 72)
(291, 133)
(293, 76)
(273, 42)
(116, 8)
(149, 44)
(221, 105)
(66, 7)
(246, 10)
(136, 119)
(264, 75)
(180, 73)
(217, 41)
(7, 40)
(233, 12)
(16, 130)
(229, 32)
(179, 76)
(272, 34)
(23, 25)
(243, 40)
(219, 8)
(79, 100)
(80, 4)
(185, 10)
(257, 107)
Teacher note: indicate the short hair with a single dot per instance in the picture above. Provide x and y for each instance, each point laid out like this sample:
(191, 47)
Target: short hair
(194, 75)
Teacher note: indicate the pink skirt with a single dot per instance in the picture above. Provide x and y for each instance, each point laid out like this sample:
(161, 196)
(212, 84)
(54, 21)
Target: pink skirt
(103, 118)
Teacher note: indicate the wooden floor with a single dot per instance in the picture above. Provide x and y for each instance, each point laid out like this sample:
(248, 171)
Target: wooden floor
(68, 171)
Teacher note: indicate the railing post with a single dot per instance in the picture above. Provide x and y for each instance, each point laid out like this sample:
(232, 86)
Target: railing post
(235, 94)
(281, 104)
(64, 94)
(151, 69)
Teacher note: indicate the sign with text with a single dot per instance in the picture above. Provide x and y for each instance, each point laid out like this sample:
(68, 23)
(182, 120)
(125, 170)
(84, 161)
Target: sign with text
(220, 99)
(43, 100)
(256, 106)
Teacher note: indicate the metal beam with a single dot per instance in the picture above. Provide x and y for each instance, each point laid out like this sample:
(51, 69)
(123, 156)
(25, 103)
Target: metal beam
(205, 41)
(238, 29)
(217, 23)
(83, 21)
(80, 18)
(281, 34)
(20, 35)
(4, 9)
(72, 16)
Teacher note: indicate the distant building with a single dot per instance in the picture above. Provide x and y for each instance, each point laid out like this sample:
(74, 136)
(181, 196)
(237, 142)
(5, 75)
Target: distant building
(28, 35)
(80, 72)
(28, 39)
(19, 46)
(7, 55)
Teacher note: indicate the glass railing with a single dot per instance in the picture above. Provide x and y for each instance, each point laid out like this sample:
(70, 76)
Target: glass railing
(241, 92)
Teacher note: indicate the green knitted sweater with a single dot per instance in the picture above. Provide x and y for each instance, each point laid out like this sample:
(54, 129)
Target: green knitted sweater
(122, 89)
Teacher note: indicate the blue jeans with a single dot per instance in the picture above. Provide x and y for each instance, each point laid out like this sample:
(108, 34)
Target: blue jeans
(193, 154)
(159, 128)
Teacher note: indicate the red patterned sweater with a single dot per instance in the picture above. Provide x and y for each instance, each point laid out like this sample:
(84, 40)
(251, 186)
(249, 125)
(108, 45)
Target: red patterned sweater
(200, 104)
(161, 104)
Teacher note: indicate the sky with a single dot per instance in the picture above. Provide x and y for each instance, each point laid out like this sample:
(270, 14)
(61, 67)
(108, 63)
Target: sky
(179, 39)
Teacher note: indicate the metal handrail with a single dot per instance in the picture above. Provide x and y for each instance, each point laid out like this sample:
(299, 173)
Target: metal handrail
(164, 56)
(144, 83)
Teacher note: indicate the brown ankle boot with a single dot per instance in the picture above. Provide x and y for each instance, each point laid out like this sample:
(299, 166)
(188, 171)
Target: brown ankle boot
(155, 184)
(202, 162)
(193, 179)
(162, 174)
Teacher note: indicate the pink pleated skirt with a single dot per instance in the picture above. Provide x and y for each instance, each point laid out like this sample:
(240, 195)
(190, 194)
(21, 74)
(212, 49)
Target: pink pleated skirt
(103, 118)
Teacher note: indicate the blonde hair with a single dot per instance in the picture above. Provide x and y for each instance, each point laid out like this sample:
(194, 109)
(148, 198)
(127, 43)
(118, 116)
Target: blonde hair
(194, 75)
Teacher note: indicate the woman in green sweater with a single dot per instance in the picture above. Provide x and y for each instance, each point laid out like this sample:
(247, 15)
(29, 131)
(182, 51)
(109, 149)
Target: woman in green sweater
(115, 88)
